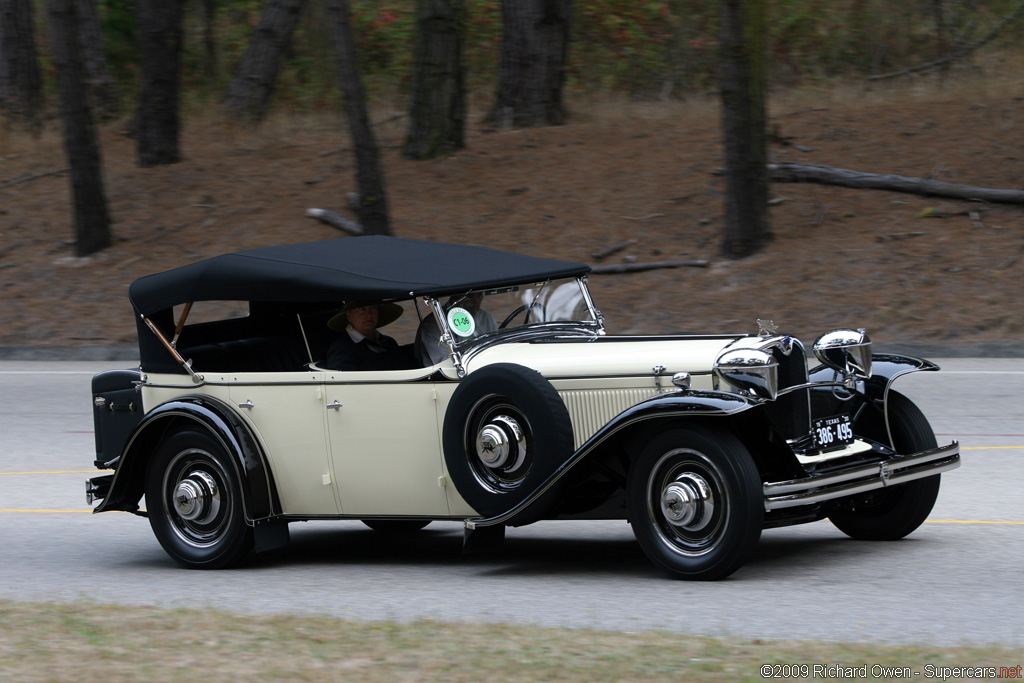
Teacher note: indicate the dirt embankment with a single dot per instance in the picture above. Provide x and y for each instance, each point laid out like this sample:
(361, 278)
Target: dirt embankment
(910, 269)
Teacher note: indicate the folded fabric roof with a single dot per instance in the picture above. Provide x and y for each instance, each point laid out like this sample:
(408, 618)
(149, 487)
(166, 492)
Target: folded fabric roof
(369, 267)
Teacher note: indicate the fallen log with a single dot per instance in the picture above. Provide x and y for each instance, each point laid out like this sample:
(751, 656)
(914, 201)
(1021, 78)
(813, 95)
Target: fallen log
(336, 220)
(832, 175)
(650, 265)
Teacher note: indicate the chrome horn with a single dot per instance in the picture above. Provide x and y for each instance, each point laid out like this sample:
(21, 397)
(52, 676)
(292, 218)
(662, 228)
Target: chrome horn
(846, 351)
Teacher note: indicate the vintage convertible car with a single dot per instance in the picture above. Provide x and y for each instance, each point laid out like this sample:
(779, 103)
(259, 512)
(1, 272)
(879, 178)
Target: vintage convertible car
(232, 427)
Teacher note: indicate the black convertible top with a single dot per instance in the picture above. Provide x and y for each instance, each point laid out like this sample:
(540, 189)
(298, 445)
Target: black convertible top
(369, 267)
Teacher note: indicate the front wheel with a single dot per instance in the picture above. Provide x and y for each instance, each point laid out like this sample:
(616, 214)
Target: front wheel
(696, 503)
(891, 513)
(195, 503)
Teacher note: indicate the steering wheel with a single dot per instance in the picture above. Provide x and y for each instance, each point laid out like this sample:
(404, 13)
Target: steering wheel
(524, 307)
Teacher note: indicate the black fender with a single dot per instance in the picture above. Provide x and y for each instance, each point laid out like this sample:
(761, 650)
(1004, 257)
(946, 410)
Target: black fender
(692, 404)
(886, 368)
(259, 495)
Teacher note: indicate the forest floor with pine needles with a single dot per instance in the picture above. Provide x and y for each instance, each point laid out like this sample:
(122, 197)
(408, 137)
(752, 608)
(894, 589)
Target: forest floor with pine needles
(910, 269)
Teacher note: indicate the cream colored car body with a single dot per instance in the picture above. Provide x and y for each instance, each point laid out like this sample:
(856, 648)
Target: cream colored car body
(365, 444)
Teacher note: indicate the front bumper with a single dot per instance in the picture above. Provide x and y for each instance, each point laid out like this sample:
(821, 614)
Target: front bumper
(97, 488)
(899, 469)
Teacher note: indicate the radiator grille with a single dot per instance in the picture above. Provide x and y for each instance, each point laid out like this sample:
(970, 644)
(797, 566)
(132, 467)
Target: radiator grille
(591, 409)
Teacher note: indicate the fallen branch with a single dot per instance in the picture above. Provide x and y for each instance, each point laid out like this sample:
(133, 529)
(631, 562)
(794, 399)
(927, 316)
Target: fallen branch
(652, 265)
(831, 175)
(28, 178)
(899, 236)
(644, 218)
(336, 220)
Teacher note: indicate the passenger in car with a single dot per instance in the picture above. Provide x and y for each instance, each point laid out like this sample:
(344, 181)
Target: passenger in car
(359, 344)
(429, 349)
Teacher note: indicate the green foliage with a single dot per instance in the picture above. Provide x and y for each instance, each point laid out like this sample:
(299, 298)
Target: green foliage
(117, 18)
(643, 48)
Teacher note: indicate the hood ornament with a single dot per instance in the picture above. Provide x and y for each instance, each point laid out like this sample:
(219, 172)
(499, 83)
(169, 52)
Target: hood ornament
(766, 328)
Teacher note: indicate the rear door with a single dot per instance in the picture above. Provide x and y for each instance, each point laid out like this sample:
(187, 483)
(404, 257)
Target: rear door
(286, 408)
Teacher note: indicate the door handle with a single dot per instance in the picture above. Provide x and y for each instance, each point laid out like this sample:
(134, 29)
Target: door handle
(336, 405)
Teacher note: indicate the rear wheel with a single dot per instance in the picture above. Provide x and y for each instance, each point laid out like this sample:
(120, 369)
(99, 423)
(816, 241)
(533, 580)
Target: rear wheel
(195, 503)
(893, 512)
(696, 503)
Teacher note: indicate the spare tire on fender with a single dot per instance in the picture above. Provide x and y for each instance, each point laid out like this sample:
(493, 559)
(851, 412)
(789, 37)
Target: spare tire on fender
(505, 432)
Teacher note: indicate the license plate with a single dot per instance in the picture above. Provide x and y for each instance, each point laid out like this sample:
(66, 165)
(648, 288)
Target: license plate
(833, 432)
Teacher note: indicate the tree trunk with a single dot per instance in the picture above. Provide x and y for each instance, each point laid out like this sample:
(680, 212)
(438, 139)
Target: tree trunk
(743, 29)
(92, 220)
(437, 116)
(210, 40)
(160, 35)
(21, 93)
(248, 95)
(373, 207)
(105, 95)
(534, 45)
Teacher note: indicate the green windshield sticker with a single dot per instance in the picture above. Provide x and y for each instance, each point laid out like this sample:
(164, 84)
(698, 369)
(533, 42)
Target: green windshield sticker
(461, 322)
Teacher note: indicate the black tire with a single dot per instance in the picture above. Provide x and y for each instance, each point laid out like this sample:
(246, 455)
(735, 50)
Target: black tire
(195, 504)
(396, 526)
(505, 432)
(696, 502)
(891, 513)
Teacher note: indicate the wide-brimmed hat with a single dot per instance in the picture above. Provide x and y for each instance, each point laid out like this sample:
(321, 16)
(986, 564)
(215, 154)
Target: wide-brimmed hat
(387, 313)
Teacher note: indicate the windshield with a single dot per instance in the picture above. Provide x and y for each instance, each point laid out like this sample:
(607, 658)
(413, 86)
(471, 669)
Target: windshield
(484, 312)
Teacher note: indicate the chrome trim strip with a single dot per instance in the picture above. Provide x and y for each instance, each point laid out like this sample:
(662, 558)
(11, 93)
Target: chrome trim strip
(895, 470)
(619, 375)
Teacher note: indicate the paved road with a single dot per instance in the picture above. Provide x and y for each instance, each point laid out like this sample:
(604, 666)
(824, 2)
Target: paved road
(956, 580)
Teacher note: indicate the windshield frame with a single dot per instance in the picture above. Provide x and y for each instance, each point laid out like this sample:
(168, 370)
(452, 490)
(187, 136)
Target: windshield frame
(464, 349)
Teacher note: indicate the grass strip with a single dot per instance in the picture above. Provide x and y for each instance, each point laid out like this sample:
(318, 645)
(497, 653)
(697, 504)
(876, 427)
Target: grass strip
(60, 642)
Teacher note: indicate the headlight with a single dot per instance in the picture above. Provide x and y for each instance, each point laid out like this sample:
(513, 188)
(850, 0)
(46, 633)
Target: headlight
(751, 371)
(848, 351)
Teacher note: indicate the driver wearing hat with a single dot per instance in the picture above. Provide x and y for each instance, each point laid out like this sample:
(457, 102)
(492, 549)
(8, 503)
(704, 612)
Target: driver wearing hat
(360, 345)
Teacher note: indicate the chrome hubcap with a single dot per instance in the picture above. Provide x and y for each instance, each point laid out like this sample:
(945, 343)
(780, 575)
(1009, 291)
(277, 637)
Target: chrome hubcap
(501, 444)
(687, 502)
(197, 498)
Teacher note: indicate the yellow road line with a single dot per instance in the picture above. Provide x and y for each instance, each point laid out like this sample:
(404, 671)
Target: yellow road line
(57, 472)
(30, 510)
(930, 521)
(34, 510)
(971, 521)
